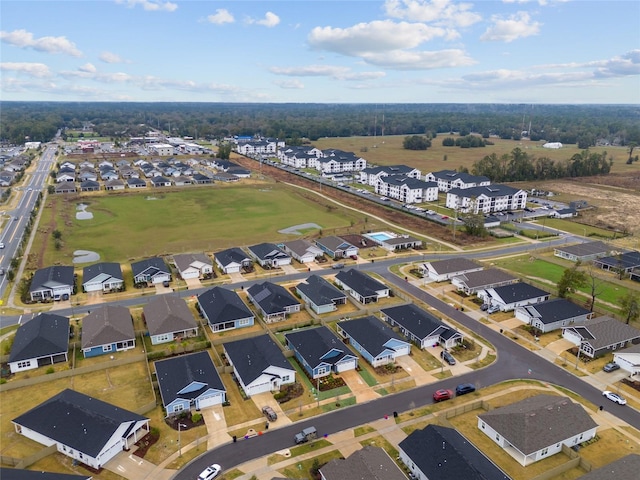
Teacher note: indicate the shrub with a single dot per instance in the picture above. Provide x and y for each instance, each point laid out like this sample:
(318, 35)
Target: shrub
(50, 370)
(196, 417)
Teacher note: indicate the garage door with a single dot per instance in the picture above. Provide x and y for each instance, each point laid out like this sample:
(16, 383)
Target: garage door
(214, 399)
(261, 388)
(232, 269)
(346, 365)
(402, 351)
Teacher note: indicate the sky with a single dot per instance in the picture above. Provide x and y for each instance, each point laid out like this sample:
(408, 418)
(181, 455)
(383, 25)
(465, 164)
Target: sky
(321, 51)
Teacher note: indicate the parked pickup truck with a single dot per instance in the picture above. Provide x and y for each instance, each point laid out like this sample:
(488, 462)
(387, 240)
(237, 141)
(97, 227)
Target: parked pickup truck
(305, 435)
(269, 413)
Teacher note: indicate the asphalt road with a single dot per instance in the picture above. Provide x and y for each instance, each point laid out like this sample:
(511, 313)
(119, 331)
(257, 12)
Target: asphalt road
(513, 362)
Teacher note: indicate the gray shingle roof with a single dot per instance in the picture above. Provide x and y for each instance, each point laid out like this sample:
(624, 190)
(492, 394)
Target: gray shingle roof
(314, 343)
(334, 243)
(489, 276)
(265, 251)
(320, 291)
(252, 356)
(49, 277)
(538, 422)
(221, 305)
(232, 255)
(109, 268)
(368, 463)
(184, 261)
(77, 420)
(271, 297)
(152, 266)
(607, 331)
(555, 310)
(491, 191)
(360, 282)
(369, 332)
(452, 265)
(586, 249)
(419, 322)
(105, 325)
(167, 314)
(625, 468)
(46, 334)
(518, 292)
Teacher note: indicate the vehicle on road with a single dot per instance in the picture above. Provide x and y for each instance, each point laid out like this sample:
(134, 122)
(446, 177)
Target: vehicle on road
(305, 435)
(1, 245)
(465, 388)
(210, 472)
(614, 397)
(337, 266)
(447, 357)
(610, 367)
(269, 413)
(442, 394)
(1, 271)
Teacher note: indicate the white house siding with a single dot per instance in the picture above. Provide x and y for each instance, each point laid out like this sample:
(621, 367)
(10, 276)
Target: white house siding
(271, 380)
(231, 268)
(412, 466)
(629, 362)
(349, 364)
(93, 287)
(210, 399)
(35, 436)
(23, 365)
(572, 337)
(161, 278)
(190, 273)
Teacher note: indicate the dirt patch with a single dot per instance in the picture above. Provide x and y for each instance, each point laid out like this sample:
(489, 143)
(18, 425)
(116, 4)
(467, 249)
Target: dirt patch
(146, 442)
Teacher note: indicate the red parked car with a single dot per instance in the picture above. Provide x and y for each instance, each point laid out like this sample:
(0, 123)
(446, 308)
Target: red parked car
(440, 395)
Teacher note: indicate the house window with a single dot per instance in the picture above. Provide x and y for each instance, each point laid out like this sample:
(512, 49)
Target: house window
(482, 425)
(244, 322)
(24, 364)
(285, 378)
(321, 371)
(107, 348)
(497, 437)
(178, 408)
(544, 451)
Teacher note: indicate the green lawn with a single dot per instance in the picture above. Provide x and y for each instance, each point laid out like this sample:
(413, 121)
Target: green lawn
(126, 226)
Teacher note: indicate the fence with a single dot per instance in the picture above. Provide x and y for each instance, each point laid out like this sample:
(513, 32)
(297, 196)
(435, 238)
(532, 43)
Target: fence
(575, 461)
(30, 460)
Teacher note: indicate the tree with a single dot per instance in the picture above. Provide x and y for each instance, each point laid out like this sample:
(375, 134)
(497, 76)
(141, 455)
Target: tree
(596, 285)
(474, 224)
(571, 280)
(416, 142)
(630, 306)
(224, 151)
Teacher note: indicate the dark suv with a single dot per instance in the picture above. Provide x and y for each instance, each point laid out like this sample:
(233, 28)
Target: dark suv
(447, 357)
(465, 388)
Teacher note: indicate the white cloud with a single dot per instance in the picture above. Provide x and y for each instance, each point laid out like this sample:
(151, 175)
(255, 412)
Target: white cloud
(377, 36)
(221, 17)
(150, 5)
(420, 60)
(270, 20)
(335, 72)
(624, 65)
(24, 39)
(293, 84)
(109, 57)
(38, 70)
(516, 26)
(438, 12)
(88, 68)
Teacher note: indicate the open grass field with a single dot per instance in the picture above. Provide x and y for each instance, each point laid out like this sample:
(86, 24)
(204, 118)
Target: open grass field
(133, 226)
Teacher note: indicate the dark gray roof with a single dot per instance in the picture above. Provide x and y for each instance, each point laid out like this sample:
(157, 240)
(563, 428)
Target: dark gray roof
(267, 251)
(518, 292)
(19, 474)
(419, 322)
(443, 453)
(50, 277)
(221, 305)
(183, 261)
(625, 468)
(92, 271)
(361, 282)
(320, 291)
(489, 276)
(410, 182)
(151, 266)
(252, 356)
(107, 324)
(369, 332)
(314, 344)
(174, 374)
(368, 463)
(538, 422)
(624, 261)
(605, 331)
(167, 314)
(586, 249)
(231, 255)
(271, 297)
(46, 334)
(300, 246)
(491, 191)
(136, 181)
(89, 184)
(334, 243)
(452, 265)
(555, 310)
(451, 175)
(77, 420)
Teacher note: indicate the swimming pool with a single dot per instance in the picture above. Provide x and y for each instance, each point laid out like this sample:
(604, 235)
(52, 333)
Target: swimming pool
(379, 236)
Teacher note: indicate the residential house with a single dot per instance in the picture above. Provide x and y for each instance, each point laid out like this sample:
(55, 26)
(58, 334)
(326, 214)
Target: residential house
(52, 283)
(136, 183)
(87, 175)
(584, 252)
(370, 462)
(421, 327)
(449, 179)
(107, 174)
(336, 247)
(601, 335)
(259, 364)
(193, 265)
(622, 263)
(361, 286)
(160, 181)
(564, 213)
(189, 381)
(102, 277)
(65, 187)
(443, 270)
(487, 199)
(537, 427)
(41, 341)
(151, 270)
(302, 250)
(224, 310)
(274, 301)
(89, 186)
(553, 314)
(435, 452)
(509, 297)
(472, 282)
(200, 179)
(320, 352)
(393, 242)
(269, 256)
(372, 175)
(320, 294)
(106, 330)
(168, 318)
(114, 185)
(407, 189)
(629, 359)
(374, 340)
(225, 177)
(65, 175)
(83, 428)
(625, 468)
(233, 260)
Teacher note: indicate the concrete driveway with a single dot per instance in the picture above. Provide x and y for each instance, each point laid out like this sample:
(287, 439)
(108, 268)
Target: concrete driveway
(358, 386)
(414, 369)
(236, 277)
(266, 398)
(160, 289)
(289, 269)
(560, 346)
(127, 465)
(193, 283)
(216, 426)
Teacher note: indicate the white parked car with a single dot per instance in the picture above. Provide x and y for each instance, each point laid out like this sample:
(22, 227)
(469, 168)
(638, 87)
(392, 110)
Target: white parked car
(614, 397)
(210, 472)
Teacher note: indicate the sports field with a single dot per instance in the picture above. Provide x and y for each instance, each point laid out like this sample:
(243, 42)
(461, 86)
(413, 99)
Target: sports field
(137, 225)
